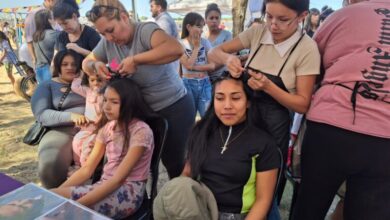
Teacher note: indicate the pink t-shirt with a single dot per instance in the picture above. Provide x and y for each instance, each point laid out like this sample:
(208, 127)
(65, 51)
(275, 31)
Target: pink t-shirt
(93, 100)
(355, 46)
(140, 135)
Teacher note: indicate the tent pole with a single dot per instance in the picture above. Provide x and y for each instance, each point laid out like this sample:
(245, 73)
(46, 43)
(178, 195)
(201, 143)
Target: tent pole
(133, 3)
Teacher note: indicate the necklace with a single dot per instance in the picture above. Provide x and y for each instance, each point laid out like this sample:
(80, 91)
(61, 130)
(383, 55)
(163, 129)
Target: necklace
(227, 142)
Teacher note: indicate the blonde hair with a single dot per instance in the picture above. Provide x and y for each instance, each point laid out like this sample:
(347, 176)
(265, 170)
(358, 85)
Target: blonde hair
(106, 8)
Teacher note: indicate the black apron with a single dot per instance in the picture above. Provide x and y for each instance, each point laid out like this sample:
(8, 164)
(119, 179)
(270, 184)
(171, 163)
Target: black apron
(269, 114)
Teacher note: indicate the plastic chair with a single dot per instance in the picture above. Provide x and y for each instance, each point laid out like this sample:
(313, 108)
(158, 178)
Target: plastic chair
(159, 126)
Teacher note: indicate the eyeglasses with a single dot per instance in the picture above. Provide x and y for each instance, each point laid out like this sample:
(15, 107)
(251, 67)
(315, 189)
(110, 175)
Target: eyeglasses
(102, 10)
(278, 22)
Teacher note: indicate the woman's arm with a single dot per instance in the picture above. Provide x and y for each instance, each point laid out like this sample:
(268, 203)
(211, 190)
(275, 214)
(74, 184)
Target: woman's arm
(107, 187)
(77, 49)
(86, 171)
(165, 49)
(92, 64)
(298, 102)
(222, 55)
(265, 187)
(43, 109)
(189, 62)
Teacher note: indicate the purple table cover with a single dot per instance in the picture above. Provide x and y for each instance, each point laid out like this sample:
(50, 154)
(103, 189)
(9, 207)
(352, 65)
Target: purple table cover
(7, 184)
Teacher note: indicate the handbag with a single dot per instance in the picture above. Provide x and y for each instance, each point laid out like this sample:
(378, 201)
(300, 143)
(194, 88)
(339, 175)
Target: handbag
(36, 132)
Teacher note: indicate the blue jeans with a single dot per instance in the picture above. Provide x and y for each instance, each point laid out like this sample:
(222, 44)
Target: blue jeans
(273, 213)
(43, 73)
(200, 91)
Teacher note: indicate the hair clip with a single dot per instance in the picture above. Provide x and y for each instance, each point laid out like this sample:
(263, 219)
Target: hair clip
(113, 74)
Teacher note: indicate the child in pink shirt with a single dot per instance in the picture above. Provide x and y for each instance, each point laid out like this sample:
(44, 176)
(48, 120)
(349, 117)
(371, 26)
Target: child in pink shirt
(127, 143)
(83, 141)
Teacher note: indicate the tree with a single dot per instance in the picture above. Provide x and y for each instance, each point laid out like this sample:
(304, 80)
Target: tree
(238, 12)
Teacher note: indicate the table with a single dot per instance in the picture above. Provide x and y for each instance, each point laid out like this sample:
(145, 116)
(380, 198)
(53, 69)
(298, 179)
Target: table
(7, 184)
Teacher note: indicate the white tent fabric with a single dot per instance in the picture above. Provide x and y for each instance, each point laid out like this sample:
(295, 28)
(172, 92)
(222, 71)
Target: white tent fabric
(185, 6)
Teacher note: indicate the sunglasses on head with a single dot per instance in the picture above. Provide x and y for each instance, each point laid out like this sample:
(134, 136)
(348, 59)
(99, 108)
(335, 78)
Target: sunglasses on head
(98, 11)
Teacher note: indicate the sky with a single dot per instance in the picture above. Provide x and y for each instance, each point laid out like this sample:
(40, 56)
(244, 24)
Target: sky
(142, 6)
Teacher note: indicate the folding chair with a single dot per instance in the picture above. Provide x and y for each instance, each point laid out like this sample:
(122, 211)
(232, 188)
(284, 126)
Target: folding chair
(159, 127)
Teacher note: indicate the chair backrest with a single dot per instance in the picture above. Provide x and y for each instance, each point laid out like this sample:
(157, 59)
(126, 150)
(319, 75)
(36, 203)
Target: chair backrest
(159, 126)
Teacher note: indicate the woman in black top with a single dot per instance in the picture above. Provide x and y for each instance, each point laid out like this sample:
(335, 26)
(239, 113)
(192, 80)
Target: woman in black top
(236, 160)
(75, 36)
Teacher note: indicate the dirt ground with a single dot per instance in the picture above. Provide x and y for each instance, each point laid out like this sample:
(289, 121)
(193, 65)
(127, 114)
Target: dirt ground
(17, 159)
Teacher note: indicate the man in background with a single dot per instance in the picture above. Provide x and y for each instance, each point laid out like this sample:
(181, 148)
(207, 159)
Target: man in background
(158, 8)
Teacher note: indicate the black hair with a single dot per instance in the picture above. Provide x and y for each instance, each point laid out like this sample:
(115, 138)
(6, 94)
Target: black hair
(132, 104)
(299, 6)
(308, 24)
(212, 7)
(192, 19)
(197, 142)
(42, 24)
(59, 57)
(325, 14)
(161, 3)
(64, 9)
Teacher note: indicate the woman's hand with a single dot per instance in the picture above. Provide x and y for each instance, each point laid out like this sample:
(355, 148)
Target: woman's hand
(79, 119)
(73, 46)
(195, 40)
(258, 81)
(233, 65)
(127, 66)
(100, 69)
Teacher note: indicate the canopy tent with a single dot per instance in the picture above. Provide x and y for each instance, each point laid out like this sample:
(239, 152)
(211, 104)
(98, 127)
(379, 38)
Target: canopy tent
(184, 6)
(25, 7)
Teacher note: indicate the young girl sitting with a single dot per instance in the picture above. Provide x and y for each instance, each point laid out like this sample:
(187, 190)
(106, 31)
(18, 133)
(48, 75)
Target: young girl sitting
(127, 143)
(195, 66)
(83, 141)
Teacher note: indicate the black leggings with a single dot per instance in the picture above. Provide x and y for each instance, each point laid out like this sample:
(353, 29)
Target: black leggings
(181, 118)
(331, 155)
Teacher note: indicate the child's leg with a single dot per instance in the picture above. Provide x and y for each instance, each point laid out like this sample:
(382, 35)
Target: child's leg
(121, 203)
(8, 68)
(76, 147)
(86, 148)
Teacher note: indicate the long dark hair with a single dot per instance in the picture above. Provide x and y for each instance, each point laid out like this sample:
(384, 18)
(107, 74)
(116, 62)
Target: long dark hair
(197, 142)
(192, 19)
(59, 57)
(309, 26)
(42, 24)
(64, 9)
(132, 104)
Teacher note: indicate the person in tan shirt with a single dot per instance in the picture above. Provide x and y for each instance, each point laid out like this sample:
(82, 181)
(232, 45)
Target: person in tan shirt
(281, 68)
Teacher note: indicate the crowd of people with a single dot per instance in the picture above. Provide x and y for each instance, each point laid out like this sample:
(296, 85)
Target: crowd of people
(98, 86)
